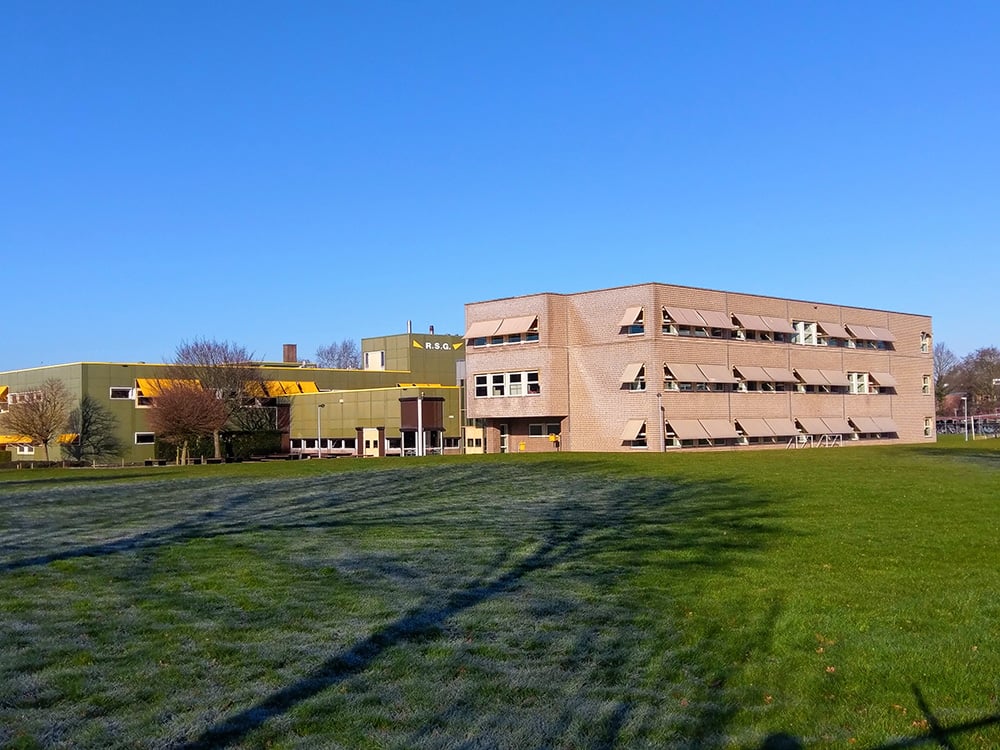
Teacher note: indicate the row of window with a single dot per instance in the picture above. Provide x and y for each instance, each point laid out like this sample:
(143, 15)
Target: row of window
(504, 384)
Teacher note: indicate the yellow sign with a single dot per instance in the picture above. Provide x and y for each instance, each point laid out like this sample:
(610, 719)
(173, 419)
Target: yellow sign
(438, 346)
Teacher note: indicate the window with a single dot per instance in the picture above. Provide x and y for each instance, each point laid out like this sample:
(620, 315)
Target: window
(536, 430)
(857, 382)
(925, 342)
(633, 322)
(145, 438)
(634, 377)
(805, 333)
(926, 387)
(26, 450)
(123, 394)
(502, 384)
(928, 427)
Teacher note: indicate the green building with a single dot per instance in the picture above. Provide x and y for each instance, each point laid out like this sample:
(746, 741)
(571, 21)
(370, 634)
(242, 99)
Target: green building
(405, 400)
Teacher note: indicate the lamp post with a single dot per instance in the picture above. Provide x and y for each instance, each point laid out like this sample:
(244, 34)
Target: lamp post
(319, 431)
(965, 412)
(663, 423)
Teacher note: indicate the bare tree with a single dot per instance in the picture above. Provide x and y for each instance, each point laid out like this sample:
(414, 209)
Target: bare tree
(39, 415)
(225, 369)
(96, 429)
(975, 375)
(184, 411)
(345, 355)
(945, 361)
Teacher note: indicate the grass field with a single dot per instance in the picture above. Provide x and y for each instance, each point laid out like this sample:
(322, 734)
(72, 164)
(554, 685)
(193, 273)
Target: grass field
(563, 601)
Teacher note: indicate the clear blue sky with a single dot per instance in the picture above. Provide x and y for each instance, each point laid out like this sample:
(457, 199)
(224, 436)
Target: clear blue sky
(304, 172)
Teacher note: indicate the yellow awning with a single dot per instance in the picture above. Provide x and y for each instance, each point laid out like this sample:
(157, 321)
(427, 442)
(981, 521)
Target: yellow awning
(274, 388)
(3, 392)
(152, 387)
(68, 438)
(15, 440)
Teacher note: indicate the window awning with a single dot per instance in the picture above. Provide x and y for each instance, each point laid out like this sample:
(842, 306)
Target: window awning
(754, 427)
(865, 424)
(859, 331)
(751, 372)
(4, 390)
(813, 425)
(632, 371)
(718, 374)
(274, 388)
(835, 377)
(686, 373)
(811, 377)
(685, 316)
(881, 334)
(68, 438)
(781, 427)
(633, 428)
(522, 324)
(719, 428)
(884, 379)
(716, 319)
(482, 328)
(751, 322)
(777, 325)
(837, 425)
(687, 429)
(780, 375)
(631, 316)
(15, 440)
(152, 387)
(834, 330)
(886, 424)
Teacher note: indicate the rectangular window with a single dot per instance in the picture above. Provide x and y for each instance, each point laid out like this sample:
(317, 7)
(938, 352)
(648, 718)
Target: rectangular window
(145, 438)
(928, 427)
(482, 389)
(25, 450)
(516, 386)
(533, 387)
(925, 342)
(858, 382)
(553, 428)
(502, 384)
(123, 394)
(531, 336)
(536, 430)
(926, 387)
(514, 338)
(479, 341)
(498, 385)
(496, 340)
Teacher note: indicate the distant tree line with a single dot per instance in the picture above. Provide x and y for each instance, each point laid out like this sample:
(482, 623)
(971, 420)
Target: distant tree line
(976, 376)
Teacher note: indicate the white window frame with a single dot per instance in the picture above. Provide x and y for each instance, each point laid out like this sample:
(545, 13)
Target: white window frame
(25, 450)
(506, 384)
(150, 441)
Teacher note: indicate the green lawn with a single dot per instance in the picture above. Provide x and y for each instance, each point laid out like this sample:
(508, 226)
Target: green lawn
(560, 601)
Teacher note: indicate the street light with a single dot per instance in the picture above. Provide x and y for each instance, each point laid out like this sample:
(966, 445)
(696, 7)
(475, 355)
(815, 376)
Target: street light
(965, 410)
(663, 423)
(319, 431)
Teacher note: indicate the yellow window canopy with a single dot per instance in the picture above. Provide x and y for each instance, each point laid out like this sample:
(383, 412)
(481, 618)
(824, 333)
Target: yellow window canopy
(153, 387)
(15, 440)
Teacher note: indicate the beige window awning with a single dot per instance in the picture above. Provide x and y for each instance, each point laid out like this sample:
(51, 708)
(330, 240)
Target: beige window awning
(754, 427)
(781, 427)
(780, 375)
(482, 328)
(859, 331)
(884, 379)
(686, 373)
(719, 429)
(811, 377)
(836, 377)
(777, 325)
(886, 424)
(837, 426)
(685, 316)
(687, 429)
(751, 322)
(881, 334)
(716, 319)
(631, 316)
(834, 330)
(813, 425)
(632, 371)
(751, 372)
(717, 374)
(865, 424)
(633, 428)
(510, 326)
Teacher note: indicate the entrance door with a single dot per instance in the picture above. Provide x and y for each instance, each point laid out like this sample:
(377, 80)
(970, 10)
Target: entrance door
(504, 435)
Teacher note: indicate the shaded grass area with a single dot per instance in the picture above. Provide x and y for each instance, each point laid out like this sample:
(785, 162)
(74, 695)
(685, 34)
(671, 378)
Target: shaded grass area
(577, 601)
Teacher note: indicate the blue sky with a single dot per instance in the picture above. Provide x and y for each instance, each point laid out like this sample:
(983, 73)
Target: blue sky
(272, 173)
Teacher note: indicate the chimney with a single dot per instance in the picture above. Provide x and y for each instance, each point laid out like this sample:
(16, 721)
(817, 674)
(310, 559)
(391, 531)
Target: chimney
(290, 353)
(432, 330)
(409, 326)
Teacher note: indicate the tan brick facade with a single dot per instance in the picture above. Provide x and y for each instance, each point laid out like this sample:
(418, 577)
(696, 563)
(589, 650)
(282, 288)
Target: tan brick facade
(581, 353)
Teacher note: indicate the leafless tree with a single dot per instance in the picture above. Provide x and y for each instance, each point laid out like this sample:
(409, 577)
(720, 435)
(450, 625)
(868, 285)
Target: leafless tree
(96, 429)
(345, 355)
(184, 411)
(227, 370)
(945, 361)
(39, 415)
(975, 375)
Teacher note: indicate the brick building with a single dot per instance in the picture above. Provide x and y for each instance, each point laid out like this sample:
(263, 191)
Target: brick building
(661, 367)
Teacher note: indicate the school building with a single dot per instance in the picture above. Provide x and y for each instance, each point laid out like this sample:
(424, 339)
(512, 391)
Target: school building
(657, 367)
